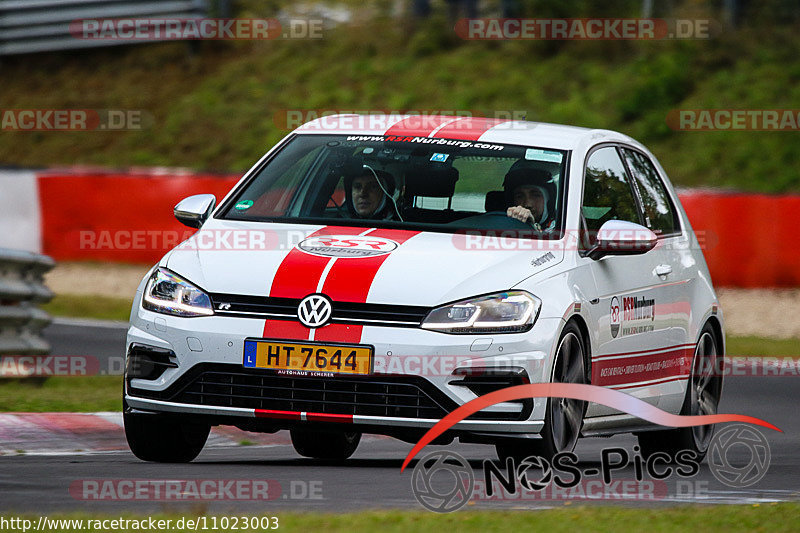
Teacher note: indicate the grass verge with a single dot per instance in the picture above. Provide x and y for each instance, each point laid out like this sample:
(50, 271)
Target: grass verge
(729, 518)
(762, 347)
(61, 394)
(84, 306)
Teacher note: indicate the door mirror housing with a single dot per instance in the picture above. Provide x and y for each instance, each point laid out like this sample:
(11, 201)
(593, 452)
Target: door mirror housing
(619, 237)
(195, 210)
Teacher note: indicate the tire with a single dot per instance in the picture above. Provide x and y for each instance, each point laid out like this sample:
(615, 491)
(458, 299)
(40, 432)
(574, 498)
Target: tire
(703, 392)
(331, 445)
(563, 417)
(164, 438)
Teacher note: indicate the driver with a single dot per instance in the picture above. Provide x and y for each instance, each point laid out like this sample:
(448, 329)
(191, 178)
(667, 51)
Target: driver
(528, 197)
(365, 197)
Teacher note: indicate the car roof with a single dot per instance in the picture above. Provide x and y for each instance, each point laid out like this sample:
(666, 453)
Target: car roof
(494, 130)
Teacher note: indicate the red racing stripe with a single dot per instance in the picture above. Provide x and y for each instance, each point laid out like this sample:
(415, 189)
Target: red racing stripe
(418, 126)
(339, 333)
(284, 415)
(298, 415)
(468, 128)
(298, 276)
(285, 329)
(299, 272)
(350, 279)
(327, 417)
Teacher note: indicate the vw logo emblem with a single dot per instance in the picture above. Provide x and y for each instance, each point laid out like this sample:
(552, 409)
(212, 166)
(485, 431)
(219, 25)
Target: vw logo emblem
(314, 310)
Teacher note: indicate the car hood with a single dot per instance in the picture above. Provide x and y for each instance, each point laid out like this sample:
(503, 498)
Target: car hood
(356, 264)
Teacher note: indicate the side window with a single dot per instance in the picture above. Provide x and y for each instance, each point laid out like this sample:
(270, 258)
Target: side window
(607, 193)
(659, 213)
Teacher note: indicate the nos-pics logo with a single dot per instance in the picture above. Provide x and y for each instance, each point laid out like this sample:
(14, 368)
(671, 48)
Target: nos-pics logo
(443, 481)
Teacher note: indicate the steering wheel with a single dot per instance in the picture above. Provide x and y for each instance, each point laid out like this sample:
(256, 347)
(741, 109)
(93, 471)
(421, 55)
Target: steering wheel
(492, 219)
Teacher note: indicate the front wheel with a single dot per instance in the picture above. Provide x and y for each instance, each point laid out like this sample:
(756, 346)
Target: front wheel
(333, 445)
(563, 416)
(164, 438)
(702, 398)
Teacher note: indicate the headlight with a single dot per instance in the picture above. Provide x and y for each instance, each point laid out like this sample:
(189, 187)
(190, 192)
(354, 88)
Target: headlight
(505, 312)
(169, 294)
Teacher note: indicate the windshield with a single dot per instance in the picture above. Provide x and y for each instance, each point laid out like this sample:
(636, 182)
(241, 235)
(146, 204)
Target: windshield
(425, 183)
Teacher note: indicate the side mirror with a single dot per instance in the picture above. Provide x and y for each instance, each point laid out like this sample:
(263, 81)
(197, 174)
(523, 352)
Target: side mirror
(194, 210)
(618, 237)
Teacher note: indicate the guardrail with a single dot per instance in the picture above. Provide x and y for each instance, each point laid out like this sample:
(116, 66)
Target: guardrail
(28, 26)
(21, 288)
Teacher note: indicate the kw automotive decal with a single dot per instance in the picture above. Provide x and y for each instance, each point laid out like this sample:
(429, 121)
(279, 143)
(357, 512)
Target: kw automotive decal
(347, 246)
(588, 393)
(539, 261)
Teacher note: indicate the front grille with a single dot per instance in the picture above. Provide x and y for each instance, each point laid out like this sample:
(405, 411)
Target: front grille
(223, 385)
(343, 312)
(228, 386)
(340, 396)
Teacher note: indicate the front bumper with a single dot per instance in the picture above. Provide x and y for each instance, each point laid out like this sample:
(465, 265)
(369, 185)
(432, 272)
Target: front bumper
(400, 353)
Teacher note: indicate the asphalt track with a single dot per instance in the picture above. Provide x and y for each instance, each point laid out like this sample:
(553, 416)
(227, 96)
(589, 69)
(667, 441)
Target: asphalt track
(371, 479)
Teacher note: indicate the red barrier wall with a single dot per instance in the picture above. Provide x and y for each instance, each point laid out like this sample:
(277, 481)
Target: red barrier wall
(748, 240)
(120, 218)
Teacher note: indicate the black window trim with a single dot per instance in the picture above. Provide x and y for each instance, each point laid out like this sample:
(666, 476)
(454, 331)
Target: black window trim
(676, 219)
(634, 193)
(222, 210)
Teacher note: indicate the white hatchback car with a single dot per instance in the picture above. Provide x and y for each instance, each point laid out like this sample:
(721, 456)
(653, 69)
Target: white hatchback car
(370, 274)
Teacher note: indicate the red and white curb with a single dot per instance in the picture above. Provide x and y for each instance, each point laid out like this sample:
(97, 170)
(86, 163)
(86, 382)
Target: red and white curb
(77, 433)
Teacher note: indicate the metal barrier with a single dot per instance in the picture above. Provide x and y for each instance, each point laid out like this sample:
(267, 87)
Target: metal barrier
(21, 288)
(28, 26)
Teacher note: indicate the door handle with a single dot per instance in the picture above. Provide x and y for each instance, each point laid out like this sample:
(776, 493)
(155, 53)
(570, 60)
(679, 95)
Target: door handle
(663, 270)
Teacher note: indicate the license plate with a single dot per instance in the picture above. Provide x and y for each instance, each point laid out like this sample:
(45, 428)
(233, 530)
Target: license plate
(301, 358)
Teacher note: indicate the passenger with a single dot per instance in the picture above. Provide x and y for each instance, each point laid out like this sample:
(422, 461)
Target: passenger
(367, 198)
(528, 197)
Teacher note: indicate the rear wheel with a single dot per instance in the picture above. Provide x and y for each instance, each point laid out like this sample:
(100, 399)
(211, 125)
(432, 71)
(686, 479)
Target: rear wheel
(702, 398)
(563, 416)
(164, 438)
(335, 445)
